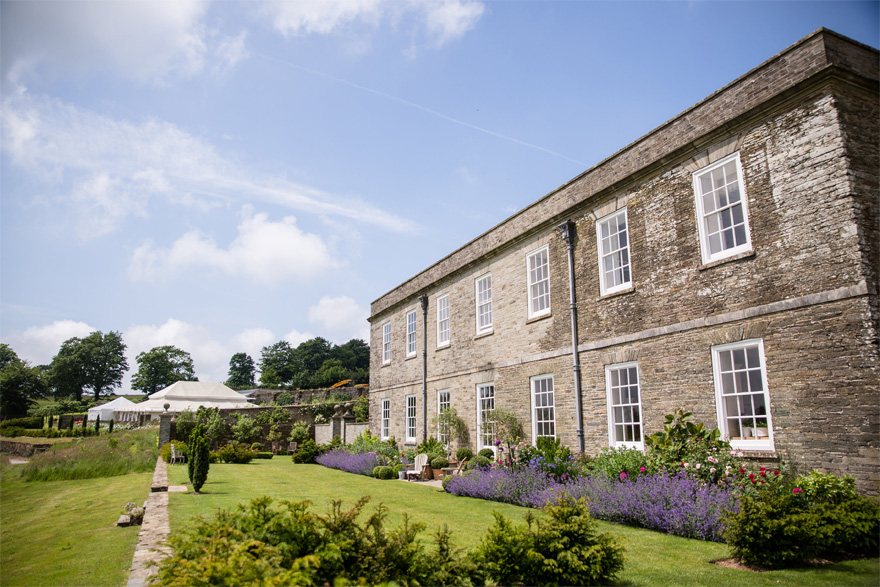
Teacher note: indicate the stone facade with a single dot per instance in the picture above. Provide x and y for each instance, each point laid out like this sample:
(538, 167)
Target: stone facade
(802, 130)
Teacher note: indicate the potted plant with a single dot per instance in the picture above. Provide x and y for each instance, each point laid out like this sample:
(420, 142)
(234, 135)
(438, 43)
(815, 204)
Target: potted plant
(437, 466)
(748, 429)
(761, 430)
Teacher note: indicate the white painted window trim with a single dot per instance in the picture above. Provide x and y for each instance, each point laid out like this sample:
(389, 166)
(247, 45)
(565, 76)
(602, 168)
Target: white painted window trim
(441, 342)
(440, 407)
(385, 432)
(534, 411)
(488, 303)
(762, 444)
(386, 343)
(411, 406)
(480, 444)
(532, 314)
(411, 327)
(706, 255)
(603, 286)
(612, 441)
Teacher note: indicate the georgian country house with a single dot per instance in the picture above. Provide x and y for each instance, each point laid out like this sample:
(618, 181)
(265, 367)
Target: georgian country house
(725, 263)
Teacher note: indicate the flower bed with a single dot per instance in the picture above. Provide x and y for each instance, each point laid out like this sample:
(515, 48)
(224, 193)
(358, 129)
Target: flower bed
(360, 464)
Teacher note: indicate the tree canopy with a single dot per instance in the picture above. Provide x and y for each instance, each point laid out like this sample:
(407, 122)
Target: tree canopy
(160, 367)
(20, 384)
(242, 371)
(96, 362)
(314, 363)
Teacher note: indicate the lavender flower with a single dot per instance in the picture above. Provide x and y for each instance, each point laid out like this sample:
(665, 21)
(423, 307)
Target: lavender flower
(361, 464)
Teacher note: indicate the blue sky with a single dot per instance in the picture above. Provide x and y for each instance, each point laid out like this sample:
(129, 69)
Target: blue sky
(222, 175)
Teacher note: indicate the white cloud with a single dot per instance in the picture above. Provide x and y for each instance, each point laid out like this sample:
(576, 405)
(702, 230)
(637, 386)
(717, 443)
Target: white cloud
(38, 344)
(295, 337)
(231, 51)
(144, 41)
(118, 166)
(340, 319)
(267, 252)
(438, 20)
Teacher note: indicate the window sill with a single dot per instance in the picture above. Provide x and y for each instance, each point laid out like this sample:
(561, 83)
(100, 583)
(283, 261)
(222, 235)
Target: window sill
(388, 364)
(443, 348)
(614, 294)
(484, 334)
(411, 357)
(737, 257)
(539, 318)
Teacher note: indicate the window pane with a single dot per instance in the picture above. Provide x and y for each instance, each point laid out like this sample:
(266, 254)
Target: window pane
(739, 359)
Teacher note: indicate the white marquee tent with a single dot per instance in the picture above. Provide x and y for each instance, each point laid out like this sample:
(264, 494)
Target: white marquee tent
(107, 411)
(185, 395)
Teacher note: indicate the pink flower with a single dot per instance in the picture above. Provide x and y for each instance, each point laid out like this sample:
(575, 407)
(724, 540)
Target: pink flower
(686, 465)
(712, 470)
(712, 460)
(642, 470)
(698, 465)
(797, 490)
(622, 476)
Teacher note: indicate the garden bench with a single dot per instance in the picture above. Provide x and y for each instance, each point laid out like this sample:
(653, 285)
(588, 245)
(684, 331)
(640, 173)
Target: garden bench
(176, 457)
(292, 448)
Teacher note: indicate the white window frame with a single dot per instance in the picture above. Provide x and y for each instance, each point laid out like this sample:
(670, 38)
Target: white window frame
(614, 255)
(534, 280)
(444, 402)
(638, 420)
(703, 220)
(411, 321)
(386, 343)
(411, 422)
(540, 421)
(443, 321)
(752, 442)
(489, 399)
(483, 301)
(385, 432)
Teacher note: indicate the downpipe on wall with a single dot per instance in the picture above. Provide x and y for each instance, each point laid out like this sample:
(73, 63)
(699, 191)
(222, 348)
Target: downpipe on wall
(567, 229)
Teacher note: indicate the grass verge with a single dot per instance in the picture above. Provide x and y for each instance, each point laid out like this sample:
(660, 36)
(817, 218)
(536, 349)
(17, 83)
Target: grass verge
(652, 558)
(63, 532)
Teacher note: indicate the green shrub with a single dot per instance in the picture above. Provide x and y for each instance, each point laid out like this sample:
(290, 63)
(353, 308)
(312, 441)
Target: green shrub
(306, 453)
(285, 398)
(478, 461)
(245, 430)
(376, 471)
(780, 529)
(431, 446)
(236, 454)
(264, 543)
(564, 549)
(179, 445)
(386, 472)
(279, 415)
(613, 461)
(396, 470)
(184, 424)
(464, 453)
(299, 432)
(264, 455)
(201, 459)
(487, 453)
(439, 462)
(30, 423)
(257, 446)
(361, 409)
(826, 487)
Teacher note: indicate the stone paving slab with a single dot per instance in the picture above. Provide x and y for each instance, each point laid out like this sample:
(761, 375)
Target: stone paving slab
(154, 531)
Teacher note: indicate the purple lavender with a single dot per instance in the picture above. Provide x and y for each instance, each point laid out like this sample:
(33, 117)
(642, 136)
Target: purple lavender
(360, 464)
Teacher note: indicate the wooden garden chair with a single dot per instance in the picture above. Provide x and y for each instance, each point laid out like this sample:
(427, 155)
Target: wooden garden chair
(420, 469)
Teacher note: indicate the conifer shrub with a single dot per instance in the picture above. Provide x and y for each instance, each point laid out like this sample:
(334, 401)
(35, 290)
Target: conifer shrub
(306, 453)
(201, 460)
(562, 550)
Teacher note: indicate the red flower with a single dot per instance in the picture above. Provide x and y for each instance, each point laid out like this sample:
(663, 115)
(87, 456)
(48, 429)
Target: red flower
(763, 473)
(763, 469)
(752, 476)
(742, 470)
(776, 473)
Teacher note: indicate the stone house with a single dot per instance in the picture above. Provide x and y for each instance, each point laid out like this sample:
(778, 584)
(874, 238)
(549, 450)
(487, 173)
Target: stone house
(725, 263)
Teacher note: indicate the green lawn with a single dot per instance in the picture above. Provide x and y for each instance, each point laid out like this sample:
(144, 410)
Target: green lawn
(652, 558)
(58, 533)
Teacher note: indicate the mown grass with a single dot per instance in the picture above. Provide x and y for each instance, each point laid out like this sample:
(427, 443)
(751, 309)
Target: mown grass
(108, 455)
(63, 532)
(652, 558)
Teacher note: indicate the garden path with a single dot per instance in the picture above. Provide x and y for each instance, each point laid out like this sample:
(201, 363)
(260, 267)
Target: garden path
(155, 529)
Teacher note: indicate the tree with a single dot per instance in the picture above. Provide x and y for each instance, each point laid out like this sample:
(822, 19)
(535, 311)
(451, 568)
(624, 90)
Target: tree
(330, 372)
(355, 356)
(20, 384)
(104, 361)
(242, 371)
(277, 364)
(311, 354)
(160, 367)
(96, 362)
